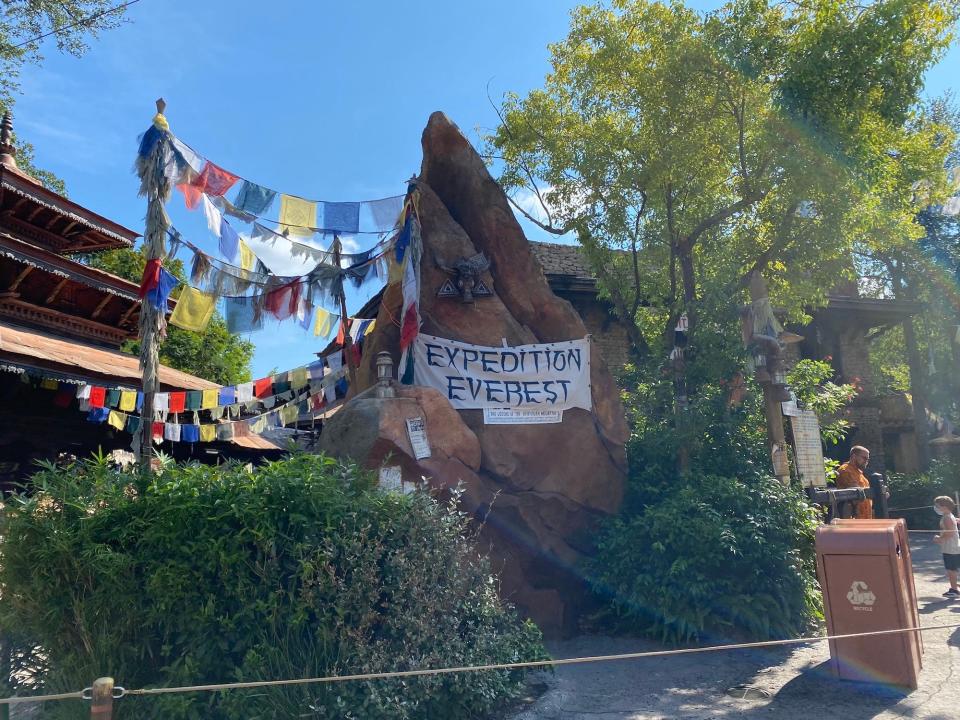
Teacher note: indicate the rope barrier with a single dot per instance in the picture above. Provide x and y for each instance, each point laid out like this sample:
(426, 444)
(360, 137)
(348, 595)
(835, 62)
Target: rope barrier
(475, 668)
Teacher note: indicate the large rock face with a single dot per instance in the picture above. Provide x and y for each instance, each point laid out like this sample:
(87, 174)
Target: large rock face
(548, 484)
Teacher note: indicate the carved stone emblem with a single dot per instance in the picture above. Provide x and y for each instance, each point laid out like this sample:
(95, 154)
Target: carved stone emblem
(465, 281)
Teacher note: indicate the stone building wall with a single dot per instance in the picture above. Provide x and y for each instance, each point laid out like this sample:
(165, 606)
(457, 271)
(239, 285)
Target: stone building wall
(609, 335)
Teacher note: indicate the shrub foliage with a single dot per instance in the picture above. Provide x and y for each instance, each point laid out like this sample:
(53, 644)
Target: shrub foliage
(720, 549)
(219, 574)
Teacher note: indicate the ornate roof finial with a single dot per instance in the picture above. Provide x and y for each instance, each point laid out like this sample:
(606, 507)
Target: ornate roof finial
(7, 151)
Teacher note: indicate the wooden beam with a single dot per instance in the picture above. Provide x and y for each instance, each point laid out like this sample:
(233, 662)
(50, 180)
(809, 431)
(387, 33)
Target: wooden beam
(51, 223)
(20, 278)
(56, 290)
(36, 211)
(126, 315)
(100, 306)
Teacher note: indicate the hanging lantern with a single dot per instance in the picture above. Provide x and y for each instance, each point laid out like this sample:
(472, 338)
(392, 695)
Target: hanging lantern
(780, 377)
(759, 359)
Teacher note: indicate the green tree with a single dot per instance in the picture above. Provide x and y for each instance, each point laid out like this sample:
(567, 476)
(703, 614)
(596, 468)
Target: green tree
(214, 354)
(923, 350)
(763, 136)
(70, 24)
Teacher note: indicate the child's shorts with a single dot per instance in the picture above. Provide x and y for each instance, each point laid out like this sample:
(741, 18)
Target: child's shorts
(951, 561)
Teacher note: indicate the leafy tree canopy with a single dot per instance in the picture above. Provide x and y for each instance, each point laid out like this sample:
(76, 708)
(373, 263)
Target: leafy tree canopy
(70, 24)
(775, 137)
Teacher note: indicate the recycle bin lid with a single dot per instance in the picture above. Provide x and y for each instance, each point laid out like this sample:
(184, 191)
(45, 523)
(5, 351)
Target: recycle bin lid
(864, 537)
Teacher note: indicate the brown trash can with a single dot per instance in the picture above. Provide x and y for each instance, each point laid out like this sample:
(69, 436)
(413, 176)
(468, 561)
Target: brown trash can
(867, 585)
(903, 537)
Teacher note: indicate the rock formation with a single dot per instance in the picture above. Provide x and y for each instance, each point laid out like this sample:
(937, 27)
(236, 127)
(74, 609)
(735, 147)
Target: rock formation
(545, 485)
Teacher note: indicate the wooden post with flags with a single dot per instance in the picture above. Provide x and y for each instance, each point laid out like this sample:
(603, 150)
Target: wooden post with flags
(342, 297)
(154, 158)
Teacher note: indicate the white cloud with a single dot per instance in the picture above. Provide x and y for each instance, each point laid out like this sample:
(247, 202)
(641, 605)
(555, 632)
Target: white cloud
(530, 203)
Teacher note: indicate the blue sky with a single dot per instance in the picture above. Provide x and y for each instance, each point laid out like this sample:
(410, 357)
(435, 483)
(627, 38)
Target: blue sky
(316, 99)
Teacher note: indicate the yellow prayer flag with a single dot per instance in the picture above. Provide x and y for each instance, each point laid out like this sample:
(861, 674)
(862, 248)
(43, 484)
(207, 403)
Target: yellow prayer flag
(128, 400)
(322, 323)
(299, 378)
(297, 216)
(208, 433)
(49, 384)
(116, 420)
(395, 269)
(370, 327)
(209, 399)
(194, 310)
(248, 260)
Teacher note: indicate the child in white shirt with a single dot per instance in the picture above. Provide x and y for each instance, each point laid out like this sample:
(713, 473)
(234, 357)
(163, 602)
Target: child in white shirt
(949, 541)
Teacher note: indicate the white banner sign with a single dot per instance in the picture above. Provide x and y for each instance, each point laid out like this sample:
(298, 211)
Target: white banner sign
(551, 376)
(509, 416)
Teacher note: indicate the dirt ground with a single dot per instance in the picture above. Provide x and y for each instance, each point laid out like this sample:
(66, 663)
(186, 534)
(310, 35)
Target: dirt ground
(791, 682)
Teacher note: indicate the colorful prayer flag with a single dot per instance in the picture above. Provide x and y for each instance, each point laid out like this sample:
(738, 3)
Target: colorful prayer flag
(212, 180)
(128, 400)
(97, 396)
(322, 324)
(194, 310)
(229, 241)
(253, 198)
(178, 402)
(297, 216)
(210, 398)
(116, 420)
(263, 387)
(208, 433)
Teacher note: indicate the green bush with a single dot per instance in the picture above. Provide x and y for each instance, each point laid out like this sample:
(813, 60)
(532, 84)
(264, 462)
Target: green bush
(917, 490)
(720, 549)
(219, 574)
(718, 556)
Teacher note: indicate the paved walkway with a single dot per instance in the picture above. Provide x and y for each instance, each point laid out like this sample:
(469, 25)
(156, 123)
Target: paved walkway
(795, 681)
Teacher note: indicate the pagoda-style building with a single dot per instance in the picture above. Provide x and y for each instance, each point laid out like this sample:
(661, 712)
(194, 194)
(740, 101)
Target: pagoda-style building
(62, 323)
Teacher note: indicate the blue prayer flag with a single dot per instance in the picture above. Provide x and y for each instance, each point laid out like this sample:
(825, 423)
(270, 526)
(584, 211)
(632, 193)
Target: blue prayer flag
(253, 198)
(341, 216)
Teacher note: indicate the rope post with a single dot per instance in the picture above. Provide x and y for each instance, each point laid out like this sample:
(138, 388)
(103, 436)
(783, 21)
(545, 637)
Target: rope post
(101, 703)
(342, 297)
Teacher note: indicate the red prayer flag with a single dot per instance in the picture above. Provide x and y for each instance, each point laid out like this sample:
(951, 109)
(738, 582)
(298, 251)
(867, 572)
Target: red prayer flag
(151, 277)
(97, 396)
(212, 180)
(177, 402)
(342, 332)
(157, 430)
(263, 387)
(283, 301)
(409, 330)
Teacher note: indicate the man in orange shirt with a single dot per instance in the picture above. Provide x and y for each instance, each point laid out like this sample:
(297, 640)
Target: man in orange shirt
(851, 476)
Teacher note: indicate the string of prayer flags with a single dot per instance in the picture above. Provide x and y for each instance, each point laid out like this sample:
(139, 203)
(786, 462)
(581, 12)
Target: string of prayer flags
(297, 216)
(194, 310)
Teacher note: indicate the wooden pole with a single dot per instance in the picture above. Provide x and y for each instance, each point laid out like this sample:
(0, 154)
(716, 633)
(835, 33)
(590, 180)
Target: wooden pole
(772, 410)
(152, 320)
(347, 340)
(101, 704)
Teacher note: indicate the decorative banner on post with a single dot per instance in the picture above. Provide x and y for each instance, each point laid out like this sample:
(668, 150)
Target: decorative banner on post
(551, 376)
